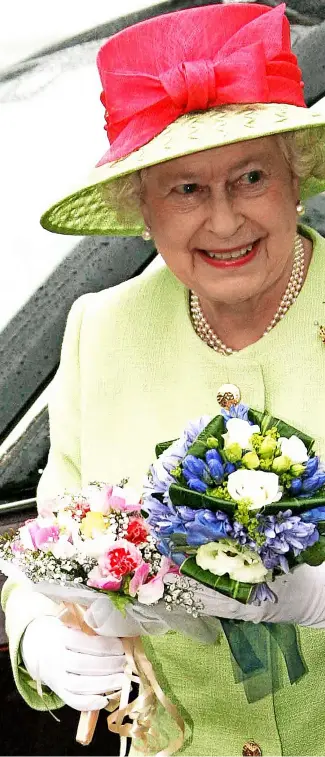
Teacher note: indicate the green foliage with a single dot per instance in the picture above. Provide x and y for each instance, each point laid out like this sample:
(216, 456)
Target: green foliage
(248, 519)
(235, 589)
(120, 601)
(162, 446)
(215, 428)
(314, 555)
(182, 495)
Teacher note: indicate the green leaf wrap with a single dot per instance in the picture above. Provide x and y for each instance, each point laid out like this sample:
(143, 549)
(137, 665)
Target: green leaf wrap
(235, 589)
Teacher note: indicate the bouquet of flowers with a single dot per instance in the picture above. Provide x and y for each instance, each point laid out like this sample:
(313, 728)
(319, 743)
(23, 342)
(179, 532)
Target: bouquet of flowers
(237, 500)
(95, 538)
(94, 543)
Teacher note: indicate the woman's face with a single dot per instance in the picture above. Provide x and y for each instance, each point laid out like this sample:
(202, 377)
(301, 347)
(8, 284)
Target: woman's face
(224, 220)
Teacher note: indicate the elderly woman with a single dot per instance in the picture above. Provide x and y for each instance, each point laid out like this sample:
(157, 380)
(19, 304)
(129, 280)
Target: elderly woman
(211, 151)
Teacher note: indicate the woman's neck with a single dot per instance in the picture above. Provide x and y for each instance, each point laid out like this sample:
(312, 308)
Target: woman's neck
(244, 323)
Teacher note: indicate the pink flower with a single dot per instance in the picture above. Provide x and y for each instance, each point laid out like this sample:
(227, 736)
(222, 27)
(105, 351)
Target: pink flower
(153, 590)
(137, 531)
(47, 507)
(17, 547)
(125, 499)
(39, 533)
(100, 581)
(98, 497)
(121, 559)
(140, 575)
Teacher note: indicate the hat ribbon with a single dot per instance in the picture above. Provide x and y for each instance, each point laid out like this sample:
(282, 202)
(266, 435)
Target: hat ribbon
(245, 76)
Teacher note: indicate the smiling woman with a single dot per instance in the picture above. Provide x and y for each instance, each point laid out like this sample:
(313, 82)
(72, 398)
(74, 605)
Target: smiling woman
(212, 217)
(211, 151)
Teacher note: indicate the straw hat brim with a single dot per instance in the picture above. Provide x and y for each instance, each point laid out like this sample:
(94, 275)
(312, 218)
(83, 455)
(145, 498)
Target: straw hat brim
(87, 212)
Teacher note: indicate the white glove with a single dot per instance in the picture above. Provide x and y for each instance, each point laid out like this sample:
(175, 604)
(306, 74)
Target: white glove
(300, 599)
(79, 668)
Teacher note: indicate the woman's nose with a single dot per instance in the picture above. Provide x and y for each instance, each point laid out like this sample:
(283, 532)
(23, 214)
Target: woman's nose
(224, 217)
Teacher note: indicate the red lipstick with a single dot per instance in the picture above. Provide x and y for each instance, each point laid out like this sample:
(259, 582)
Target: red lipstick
(232, 262)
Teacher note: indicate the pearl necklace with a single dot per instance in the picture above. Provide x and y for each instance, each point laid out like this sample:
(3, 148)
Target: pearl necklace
(206, 333)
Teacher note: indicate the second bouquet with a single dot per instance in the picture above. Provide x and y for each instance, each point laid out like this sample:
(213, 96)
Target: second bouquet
(237, 500)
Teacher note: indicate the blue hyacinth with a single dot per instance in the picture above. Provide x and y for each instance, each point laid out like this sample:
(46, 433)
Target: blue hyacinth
(207, 526)
(284, 532)
(241, 535)
(163, 517)
(261, 593)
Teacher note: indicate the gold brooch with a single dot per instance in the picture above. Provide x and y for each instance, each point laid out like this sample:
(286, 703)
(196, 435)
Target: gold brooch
(322, 333)
(228, 395)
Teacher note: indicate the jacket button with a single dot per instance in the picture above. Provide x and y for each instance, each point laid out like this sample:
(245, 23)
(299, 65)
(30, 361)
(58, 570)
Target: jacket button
(251, 749)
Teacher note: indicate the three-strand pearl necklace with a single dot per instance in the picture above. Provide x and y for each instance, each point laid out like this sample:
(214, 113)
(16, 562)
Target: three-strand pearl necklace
(206, 333)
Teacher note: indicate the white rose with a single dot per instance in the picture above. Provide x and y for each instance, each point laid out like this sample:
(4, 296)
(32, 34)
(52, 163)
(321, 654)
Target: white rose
(240, 432)
(260, 487)
(293, 448)
(95, 547)
(224, 557)
(62, 548)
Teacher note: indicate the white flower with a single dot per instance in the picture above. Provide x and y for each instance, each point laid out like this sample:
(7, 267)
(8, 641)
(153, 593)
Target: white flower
(293, 448)
(25, 538)
(62, 548)
(240, 432)
(95, 547)
(67, 523)
(129, 494)
(224, 557)
(260, 487)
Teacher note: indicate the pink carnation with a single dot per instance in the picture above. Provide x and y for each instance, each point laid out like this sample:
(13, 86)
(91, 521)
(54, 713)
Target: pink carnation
(100, 581)
(137, 531)
(121, 559)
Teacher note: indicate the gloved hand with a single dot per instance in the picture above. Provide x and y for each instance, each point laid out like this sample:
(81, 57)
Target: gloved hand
(79, 668)
(300, 599)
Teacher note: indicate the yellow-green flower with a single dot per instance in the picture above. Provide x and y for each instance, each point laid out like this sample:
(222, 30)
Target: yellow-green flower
(92, 523)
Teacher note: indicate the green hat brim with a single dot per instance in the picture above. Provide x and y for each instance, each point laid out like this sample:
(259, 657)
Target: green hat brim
(87, 212)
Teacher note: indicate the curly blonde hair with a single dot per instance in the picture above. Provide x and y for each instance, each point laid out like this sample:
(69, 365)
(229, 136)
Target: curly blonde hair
(304, 151)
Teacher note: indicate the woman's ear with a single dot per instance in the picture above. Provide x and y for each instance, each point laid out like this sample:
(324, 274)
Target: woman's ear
(144, 208)
(296, 187)
(145, 212)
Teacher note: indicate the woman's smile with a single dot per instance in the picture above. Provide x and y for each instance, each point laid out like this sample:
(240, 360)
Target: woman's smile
(230, 258)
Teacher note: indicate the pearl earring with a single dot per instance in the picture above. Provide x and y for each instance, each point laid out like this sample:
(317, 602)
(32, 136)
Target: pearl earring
(300, 208)
(146, 234)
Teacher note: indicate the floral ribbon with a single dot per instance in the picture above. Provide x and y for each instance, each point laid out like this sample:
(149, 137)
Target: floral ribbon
(142, 710)
(255, 649)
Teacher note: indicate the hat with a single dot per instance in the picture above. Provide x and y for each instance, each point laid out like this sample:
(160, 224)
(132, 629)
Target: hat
(184, 82)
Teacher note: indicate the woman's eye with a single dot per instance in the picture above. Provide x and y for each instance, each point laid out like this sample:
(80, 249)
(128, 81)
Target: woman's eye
(251, 178)
(187, 189)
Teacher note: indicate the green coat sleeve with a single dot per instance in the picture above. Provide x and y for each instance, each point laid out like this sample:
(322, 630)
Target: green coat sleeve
(62, 471)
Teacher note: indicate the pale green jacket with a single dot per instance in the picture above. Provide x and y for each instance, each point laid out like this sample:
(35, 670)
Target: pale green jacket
(132, 373)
